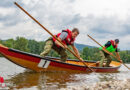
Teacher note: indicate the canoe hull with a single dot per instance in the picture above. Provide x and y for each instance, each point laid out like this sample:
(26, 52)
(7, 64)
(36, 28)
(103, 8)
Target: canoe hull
(39, 64)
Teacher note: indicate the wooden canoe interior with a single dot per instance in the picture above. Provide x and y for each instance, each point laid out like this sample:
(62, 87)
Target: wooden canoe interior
(90, 64)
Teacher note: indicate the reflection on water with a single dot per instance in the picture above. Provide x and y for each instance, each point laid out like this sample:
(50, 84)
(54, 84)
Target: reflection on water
(20, 78)
(47, 80)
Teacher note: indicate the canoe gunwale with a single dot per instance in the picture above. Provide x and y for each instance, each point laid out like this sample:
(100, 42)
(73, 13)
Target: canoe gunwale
(105, 67)
(47, 57)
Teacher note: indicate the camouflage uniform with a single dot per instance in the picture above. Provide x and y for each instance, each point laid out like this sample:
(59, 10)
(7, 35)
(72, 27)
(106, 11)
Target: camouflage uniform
(49, 44)
(105, 58)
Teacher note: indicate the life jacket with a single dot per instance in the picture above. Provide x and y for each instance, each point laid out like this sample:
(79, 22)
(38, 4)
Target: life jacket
(68, 40)
(111, 48)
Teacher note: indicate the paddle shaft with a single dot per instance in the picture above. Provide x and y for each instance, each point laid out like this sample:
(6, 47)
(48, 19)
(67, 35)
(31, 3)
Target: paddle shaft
(107, 51)
(51, 34)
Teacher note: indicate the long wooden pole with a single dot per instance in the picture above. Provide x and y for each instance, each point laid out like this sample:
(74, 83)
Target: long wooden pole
(107, 51)
(52, 35)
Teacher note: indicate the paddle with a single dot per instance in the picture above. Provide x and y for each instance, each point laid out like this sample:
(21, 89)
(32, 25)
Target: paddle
(52, 35)
(107, 51)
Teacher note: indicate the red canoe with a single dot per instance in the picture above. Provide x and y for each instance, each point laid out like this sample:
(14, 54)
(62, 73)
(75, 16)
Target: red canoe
(38, 63)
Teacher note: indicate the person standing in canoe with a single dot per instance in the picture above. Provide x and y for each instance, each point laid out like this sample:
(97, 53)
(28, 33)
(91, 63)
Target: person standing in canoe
(110, 46)
(67, 37)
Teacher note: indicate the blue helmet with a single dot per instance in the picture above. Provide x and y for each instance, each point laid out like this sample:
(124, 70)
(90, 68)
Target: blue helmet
(117, 40)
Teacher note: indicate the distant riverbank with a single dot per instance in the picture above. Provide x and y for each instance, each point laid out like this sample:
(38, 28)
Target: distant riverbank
(36, 47)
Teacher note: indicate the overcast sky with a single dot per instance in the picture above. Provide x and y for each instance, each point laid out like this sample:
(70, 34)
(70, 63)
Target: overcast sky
(102, 19)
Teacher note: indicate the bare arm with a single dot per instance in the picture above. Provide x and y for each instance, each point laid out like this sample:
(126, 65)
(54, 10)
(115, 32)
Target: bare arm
(118, 56)
(75, 50)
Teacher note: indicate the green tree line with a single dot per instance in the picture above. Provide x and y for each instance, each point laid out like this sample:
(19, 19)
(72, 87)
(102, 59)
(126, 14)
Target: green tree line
(36, 47)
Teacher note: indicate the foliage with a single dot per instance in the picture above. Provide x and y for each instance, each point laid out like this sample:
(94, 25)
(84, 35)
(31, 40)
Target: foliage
(125, 56)
(90, 54)
(21, 44)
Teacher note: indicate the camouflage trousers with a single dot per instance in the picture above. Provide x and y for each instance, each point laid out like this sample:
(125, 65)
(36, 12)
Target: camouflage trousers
(105, 58)
(49, 44)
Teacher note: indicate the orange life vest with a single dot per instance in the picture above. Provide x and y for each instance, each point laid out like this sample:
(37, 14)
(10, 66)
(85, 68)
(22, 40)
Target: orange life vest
(68, 40)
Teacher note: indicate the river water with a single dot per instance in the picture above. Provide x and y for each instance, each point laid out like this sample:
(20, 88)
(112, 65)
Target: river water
(18, 78)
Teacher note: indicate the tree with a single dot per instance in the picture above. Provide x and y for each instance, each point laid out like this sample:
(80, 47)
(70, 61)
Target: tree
(90, 54)
(9, 43)
(21, 44)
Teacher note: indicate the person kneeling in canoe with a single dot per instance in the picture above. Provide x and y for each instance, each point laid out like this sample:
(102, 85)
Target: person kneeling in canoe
(67, 37)
(110, 46)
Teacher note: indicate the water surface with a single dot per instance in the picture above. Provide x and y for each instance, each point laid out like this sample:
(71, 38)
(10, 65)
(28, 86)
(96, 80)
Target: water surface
(17, 77)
